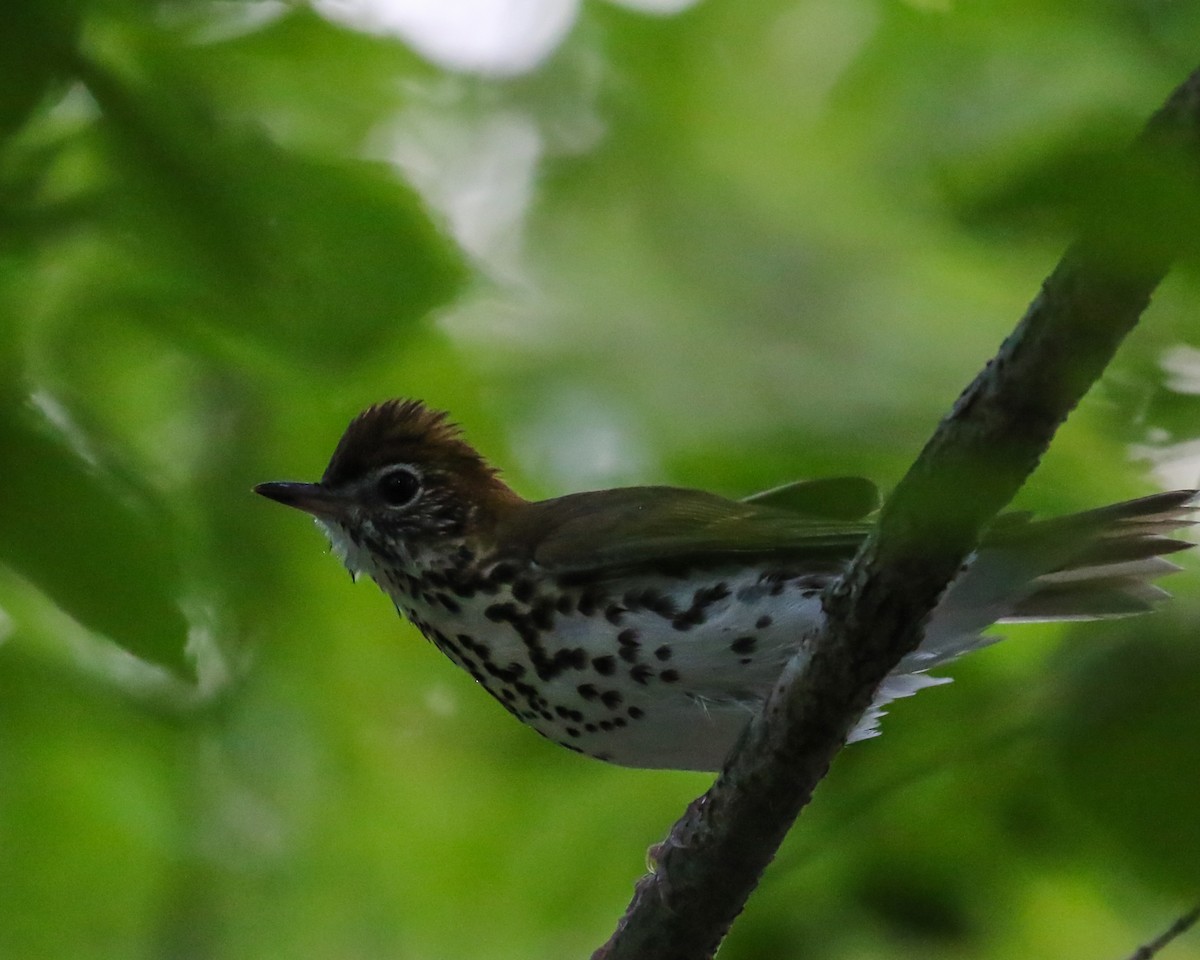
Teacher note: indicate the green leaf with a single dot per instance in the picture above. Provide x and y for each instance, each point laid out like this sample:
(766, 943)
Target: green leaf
(97, 550)
(1129, 748)
(318, 258)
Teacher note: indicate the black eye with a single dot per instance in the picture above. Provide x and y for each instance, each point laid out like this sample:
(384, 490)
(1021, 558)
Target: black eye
(398, 487)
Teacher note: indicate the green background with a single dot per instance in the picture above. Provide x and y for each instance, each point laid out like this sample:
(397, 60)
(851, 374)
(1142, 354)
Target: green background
(743, 244)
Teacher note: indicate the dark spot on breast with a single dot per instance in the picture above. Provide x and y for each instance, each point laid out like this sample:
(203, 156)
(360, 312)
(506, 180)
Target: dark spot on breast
(522, 590)
(640, 674)
(478, 646)
(669, 676)
(743, 644)
(659, 603)
(629, 654)
(746, 660)
(763, 622)
(565, 603)
(636, 713)
(613, 613)
(503, 573)
(499, 612)
(542, 614)
(575, 658)
(706, 596)
(525, 690)
(589, 727)
(611, 698)
(619, 721)
(663, 652)
(589, 601)
(628, 638)
(587, 691)
(605, 666)
(572, 732)
(688, 619)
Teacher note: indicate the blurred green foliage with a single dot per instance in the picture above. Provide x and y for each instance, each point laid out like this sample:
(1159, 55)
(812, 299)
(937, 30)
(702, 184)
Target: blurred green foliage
(725, 248)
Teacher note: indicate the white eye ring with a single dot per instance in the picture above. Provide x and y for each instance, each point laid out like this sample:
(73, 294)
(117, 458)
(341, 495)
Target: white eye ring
(398, 487)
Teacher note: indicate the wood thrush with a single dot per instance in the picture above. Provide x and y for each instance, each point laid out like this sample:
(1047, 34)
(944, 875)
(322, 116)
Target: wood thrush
(645, 625)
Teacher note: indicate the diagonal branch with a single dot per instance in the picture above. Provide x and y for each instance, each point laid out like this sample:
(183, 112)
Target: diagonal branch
(1181, 926)
(993, 438)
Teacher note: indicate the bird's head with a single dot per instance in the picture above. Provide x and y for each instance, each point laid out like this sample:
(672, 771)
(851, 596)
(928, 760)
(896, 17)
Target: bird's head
(401, 481)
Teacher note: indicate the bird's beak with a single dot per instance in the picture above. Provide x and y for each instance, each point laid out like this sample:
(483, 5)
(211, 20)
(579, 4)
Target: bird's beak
(310, 497)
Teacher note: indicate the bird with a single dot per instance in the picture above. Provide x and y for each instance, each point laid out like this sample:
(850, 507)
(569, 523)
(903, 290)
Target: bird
(646, 625)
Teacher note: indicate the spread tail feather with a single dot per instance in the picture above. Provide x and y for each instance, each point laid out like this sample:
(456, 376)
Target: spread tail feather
(1110, 557)
(1086, 566)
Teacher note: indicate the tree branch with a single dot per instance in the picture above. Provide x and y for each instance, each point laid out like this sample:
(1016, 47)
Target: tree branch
(1181, 926)
(994, 436)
